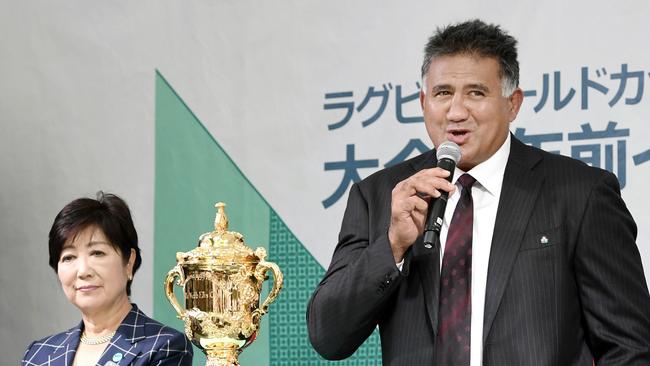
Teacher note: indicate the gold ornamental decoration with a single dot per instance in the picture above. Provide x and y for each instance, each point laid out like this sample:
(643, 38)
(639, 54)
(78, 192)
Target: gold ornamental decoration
(222, 280)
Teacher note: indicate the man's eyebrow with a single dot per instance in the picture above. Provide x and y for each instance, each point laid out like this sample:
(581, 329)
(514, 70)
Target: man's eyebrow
(475, 86)
(440, 87)
(478, 86)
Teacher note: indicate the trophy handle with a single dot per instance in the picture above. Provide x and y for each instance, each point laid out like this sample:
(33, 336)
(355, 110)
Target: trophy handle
(169, 288)
(262, 268)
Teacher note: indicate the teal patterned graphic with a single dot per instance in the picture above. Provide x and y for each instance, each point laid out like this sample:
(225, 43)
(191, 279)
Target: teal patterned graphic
(289, 341)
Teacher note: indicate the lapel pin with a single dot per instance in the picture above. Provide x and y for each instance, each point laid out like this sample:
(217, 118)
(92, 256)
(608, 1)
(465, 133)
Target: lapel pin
(543, 240)
(117, 357)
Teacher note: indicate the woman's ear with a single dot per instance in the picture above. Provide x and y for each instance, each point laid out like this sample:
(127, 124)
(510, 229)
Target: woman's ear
(129, 265)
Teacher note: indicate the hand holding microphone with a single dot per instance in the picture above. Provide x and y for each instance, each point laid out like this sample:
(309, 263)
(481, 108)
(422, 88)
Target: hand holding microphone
(413, 200)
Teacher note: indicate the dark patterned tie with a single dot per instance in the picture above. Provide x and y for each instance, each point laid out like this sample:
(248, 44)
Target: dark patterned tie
(454, 313)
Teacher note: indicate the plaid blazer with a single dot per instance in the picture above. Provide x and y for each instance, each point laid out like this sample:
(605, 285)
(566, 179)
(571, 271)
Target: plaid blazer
(138, 341)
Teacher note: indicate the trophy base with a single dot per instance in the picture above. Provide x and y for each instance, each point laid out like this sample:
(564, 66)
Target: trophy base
(222, 357)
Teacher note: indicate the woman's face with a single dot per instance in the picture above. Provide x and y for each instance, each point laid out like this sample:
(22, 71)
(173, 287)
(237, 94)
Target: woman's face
(92, 272)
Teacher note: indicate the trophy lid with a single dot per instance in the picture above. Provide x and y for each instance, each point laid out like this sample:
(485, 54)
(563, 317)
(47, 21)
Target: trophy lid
(221, 246)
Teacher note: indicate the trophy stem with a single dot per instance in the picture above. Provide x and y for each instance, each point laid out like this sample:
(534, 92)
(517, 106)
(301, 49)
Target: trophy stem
(222, 356)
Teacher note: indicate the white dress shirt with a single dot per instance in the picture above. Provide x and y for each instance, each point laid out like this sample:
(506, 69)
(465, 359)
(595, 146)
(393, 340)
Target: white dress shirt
(485, 196)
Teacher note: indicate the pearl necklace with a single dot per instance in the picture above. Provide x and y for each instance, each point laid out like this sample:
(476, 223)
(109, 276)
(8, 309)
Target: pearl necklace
(93, 341)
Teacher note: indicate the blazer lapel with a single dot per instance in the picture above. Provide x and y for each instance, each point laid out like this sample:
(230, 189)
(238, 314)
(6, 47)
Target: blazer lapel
(122, 349)
(521, 186)
(428, 264)
(427, 261)
(118, 352)
(64, 354)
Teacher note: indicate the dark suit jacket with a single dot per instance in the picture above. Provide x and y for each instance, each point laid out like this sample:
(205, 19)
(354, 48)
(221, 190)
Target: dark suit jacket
(576, 297)
(138, 341)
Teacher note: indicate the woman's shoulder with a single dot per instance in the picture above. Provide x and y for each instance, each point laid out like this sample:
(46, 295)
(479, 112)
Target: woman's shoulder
(141, 326)
(46, 346)
(163, 343)
(154, 327)
(57, 339)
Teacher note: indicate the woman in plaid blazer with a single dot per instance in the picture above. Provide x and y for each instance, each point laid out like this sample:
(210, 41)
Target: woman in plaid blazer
(94, 250)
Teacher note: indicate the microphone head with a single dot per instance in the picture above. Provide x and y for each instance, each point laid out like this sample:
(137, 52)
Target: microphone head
(449, 150)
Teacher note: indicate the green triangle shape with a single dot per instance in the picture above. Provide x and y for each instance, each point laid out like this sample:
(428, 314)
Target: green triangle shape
(192, 173)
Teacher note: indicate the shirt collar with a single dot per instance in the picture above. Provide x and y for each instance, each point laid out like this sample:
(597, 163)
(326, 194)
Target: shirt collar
(489, 174)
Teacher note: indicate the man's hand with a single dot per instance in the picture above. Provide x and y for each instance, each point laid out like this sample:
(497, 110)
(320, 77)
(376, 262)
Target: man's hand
(409, 204)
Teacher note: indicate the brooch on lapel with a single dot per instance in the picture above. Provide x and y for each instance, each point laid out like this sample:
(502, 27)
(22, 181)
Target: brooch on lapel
(116, 358)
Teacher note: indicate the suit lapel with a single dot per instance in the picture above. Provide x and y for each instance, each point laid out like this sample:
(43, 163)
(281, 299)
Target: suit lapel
(64, 354)
(428, 265)
(122, 349)
(521, 187)
(427, 261)
(118, 352)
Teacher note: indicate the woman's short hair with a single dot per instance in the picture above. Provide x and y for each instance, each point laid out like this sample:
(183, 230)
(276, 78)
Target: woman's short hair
(109, 213)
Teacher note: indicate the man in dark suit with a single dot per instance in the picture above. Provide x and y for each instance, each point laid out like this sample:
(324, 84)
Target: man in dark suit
(540, 264)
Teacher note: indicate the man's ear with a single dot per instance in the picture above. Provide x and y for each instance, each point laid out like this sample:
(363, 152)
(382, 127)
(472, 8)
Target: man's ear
(422, 98)
(516, 99)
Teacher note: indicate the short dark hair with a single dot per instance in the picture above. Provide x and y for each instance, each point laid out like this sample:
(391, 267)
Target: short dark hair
(475, 37)
(109, 213)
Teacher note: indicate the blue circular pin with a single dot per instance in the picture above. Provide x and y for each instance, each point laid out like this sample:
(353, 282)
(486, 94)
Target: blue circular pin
(117, 357)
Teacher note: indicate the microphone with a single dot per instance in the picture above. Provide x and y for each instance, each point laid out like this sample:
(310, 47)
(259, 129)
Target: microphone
(448, 154)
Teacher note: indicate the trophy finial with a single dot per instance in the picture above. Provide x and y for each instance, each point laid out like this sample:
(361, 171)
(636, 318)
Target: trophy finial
(221, 220)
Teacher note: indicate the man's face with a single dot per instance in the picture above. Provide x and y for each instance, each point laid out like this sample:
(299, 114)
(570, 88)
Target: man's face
(462, 102)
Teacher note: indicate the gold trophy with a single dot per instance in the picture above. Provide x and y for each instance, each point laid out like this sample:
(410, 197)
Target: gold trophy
(222, 281)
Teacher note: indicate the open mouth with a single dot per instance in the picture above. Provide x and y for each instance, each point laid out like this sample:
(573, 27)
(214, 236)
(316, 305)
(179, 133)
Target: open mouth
(458, 136)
